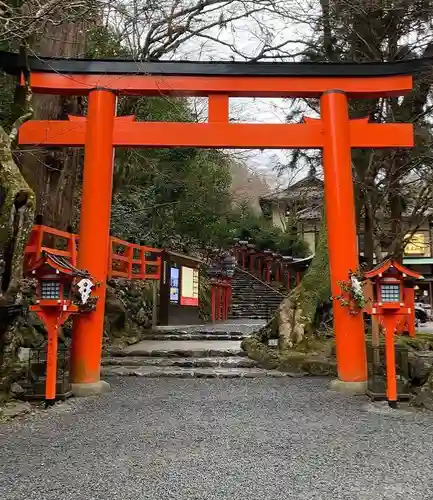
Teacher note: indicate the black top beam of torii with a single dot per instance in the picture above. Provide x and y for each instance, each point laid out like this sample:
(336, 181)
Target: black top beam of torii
(13, 64)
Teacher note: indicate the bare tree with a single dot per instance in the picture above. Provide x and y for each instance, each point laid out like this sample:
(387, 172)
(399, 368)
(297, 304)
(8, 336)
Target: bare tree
(234, 29)
(23, 21)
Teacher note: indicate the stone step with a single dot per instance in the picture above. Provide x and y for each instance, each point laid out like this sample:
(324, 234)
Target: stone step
(198, 336)
(252, 308)
(181, 349)
(251, 316)
(212, 362)
(252, 299)
(260, 316)
(257, 296)
(250, 288)
(263, 305)
(254, 283)
(180, 372)
(245, 283)
(179, 353)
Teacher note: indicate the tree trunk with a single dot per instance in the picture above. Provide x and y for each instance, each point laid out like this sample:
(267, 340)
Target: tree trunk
(17, 203)
(54, 173)
(296, 314)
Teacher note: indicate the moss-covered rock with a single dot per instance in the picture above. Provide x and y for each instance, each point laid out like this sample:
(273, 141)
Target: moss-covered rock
(422, 341)
(115, 310)
(128, 310)
(317, 362)
(256, 350)
(316, 356)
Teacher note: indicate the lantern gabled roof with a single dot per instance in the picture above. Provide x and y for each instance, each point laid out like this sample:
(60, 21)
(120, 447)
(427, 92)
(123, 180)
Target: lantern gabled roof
(60, 264)
(382, 267)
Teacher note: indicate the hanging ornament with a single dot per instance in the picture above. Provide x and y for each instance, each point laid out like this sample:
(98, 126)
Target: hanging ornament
(85, 288)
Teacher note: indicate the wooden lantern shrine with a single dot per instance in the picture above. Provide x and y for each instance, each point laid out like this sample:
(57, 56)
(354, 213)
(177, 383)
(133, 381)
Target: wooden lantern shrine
(393, 301)
(61, 290)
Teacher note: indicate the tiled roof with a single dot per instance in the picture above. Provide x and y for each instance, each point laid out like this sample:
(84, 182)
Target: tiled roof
(313, 212)
(308, 188)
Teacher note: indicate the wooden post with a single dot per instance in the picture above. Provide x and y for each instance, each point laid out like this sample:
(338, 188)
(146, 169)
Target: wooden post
(391, 377)
(51, 373)
(217, 302)
(154, 303)
(278, 272)
(213, 303)
(268, 271)
(252, 262)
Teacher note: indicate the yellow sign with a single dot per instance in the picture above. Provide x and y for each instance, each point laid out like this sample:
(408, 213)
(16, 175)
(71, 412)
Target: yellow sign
(189, 287)
(417, 245)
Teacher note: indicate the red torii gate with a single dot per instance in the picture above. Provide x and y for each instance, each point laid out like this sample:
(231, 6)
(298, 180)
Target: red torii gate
(101, 131)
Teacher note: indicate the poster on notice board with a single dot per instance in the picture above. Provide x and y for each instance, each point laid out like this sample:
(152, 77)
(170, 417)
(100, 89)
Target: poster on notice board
(174, 285)
(189, 289)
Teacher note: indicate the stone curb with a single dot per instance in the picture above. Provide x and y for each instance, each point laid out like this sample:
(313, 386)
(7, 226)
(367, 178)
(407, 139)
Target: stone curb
(198, 336)
(213, 362)
(193, 373)
(205, 353)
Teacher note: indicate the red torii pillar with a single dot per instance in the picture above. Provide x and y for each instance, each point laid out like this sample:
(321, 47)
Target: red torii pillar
(94, 239)
(334, 133)
(340, 214)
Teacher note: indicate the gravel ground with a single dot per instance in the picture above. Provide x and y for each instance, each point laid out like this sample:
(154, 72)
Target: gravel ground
(176, 439)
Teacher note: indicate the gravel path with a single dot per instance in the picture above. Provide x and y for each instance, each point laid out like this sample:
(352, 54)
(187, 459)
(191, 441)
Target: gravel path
(264, 439)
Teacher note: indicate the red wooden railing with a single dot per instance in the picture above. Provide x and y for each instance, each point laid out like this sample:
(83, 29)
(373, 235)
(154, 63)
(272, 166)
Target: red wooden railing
(126, 260)
(131, 261)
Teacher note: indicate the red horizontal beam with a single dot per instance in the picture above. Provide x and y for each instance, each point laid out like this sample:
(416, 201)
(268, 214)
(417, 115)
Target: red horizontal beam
(236, 86)
(217, 135)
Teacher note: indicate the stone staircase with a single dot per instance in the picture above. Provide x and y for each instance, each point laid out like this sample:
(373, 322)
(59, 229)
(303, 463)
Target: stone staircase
(198, 354)
(252, 299)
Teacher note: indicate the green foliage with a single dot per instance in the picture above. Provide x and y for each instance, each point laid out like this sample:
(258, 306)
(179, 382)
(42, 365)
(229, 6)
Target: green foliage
(177, 201)
(244, 225)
